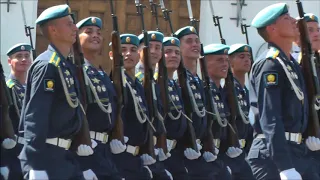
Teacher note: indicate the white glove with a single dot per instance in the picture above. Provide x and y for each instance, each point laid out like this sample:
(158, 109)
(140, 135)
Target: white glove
(89, 175)
(209, 157)
(162, 156)
(4, 171)
(150, 172)
(147, 159)
(199, 146)
(169, 174)
(117, 147)
(84, 150)
(93, 144)
(229, 169)
(233, 152)
(35, 175)
(216, 150)
(290, 174)
(8, 143)
(126, 139)
(313, 143)
(191, 154)
(156, 151)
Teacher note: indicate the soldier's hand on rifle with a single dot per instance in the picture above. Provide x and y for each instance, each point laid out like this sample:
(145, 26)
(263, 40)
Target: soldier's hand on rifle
(4, 171)
(117, 147)
(233, 152)
(147, 159)
(35, 175)
(84, 150)
(290, 174)
(209, 157)
(191, 154)
(162, 156)
(8, 143)
(313, 143)
(89, 175)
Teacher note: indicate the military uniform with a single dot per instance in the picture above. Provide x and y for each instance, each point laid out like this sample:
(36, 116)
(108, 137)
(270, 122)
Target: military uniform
(134, 115)
(9, 157)
(51, 114)
(278, 110)
(197, 168)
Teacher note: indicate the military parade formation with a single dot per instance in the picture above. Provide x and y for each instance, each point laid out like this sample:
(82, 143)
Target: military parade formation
(155, 116)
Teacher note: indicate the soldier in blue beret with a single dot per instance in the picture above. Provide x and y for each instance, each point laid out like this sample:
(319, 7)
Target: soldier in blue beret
(134, 115)
(19, 60)
(176, 122)
(190, 53)
(278, 102)
(101, 112)
(51, 115)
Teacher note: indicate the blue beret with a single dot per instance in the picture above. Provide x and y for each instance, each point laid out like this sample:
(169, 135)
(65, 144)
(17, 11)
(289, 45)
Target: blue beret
(309, 17)
(129, 39)
(153, 36)
(90, 21)
(269, 15)
(235, 48)
(171, 41)
(53, 12)
(19, 47)
(185, 31)
(216, 49)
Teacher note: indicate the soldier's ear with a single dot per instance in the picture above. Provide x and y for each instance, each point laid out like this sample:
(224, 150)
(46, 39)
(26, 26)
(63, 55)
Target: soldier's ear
(111, 55)
(9, 61)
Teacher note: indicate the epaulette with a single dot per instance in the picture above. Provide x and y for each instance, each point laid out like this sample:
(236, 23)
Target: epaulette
(55, 59)
(272, 53)
(139, 76)
(155, 76)
(10, 83)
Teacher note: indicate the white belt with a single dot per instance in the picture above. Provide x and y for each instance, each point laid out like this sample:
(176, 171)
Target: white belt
(216, 143)
(294, 137)
(171, 144)
(102, 137)
(242, 143)
(63, 143)
(134, 150)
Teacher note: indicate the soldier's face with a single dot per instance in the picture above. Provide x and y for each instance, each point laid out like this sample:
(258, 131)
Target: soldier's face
(91, 38)
(20, 61)
(217, 66)
(190, 46)
(285, 26)
(64, 30)
(172, 55)
(314, 34)
(155, 51)
(241, 62)
(130, 55)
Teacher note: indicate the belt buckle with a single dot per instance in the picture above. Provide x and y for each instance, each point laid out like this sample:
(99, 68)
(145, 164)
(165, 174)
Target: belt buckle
(154, 140)
(299, 139)
(216, 143)
(105, 137)
(242, 143)
(134, 150)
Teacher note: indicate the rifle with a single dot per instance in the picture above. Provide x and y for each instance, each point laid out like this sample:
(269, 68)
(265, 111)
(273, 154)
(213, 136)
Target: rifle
(83, 135)
(310, 75)
(162, 80)
(208, 144)
(7, 130)
(245, 32)
(148, 85)
(27, 30)
(232, 99)
(117, 77)
(189, 136)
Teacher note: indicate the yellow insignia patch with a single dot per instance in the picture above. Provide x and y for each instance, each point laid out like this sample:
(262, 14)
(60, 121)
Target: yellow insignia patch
(23, 48)
(93, 20)
(49, 85)
(271, 79)
(173, 41)
(153, 36)
(128, 39)
(246, 48)
(192, 29)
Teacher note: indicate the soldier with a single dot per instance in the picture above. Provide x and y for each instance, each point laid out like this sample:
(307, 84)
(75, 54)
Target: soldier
(155, 47)
(176, 122)
(100, 112)
(190, 52)
(240, 61)
(19, 60)
(134, 114)
(51, 114)
(278, 103)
